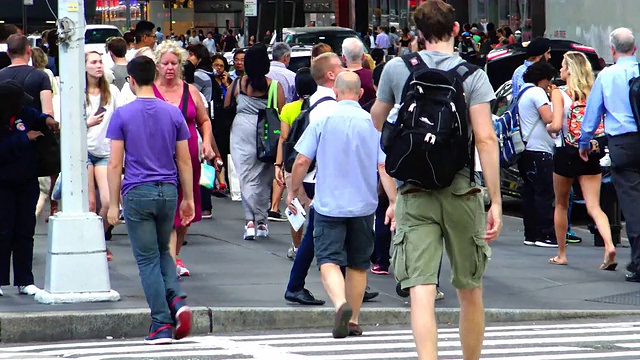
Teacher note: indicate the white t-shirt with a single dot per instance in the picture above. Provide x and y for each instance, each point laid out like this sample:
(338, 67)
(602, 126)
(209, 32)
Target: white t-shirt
(534, 131)
(323, 110)
(97, 142)
(210, 44)
(567, 107)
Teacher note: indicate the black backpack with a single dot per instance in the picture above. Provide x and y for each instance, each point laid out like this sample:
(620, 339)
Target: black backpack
(634, 97)
(298, 127)
(431, 140)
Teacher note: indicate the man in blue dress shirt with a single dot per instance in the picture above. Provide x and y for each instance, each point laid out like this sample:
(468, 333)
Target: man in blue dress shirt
(538, 49)
(609, 97)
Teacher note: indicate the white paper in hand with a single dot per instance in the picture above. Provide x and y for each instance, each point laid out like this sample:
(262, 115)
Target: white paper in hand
(298, 219)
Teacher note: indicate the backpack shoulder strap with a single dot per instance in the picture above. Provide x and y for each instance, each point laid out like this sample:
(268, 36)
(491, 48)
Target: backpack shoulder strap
(321, 100)
(414, 62)
(464, 70)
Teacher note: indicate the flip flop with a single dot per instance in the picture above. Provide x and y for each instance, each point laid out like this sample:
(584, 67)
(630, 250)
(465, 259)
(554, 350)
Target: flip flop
(609, 266)
(554, 261)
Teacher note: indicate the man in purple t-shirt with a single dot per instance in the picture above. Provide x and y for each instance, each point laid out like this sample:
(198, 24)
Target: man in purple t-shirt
(154, 142)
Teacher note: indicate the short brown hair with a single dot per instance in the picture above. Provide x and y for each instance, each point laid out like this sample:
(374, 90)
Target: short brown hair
(319, 49)
(435, 20)
(321, 65)
(118, 46)
(18, 45)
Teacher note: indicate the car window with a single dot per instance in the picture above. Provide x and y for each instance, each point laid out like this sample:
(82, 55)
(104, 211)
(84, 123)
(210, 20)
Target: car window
(299, 62)
(100, 36)
(334, 39)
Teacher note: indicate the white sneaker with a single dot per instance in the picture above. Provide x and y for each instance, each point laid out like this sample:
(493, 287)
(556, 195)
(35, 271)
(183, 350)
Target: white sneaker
(292, 252)
(250, 231)
(1, 293)
(439, 295)
(28, 290)
(263, 230)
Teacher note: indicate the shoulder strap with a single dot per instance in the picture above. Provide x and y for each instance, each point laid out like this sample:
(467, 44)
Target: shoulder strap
(465, 69)
(272, 99)
(414, 62)
(185, 99)
(321, 100)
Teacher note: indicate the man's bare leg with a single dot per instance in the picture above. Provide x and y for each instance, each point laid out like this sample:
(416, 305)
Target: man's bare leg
(471, 322)
(356, 284)
(296, 236)
(423, 321)
(333, 283)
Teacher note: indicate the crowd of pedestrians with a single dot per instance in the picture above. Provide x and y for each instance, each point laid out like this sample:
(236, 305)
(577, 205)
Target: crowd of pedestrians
(334, 116)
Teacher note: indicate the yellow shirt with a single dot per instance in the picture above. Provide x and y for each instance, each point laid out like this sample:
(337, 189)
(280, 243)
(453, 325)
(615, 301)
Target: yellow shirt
(291, 111)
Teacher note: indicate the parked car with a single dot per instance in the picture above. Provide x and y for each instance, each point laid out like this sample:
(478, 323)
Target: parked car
(330, 35)
(502, 62)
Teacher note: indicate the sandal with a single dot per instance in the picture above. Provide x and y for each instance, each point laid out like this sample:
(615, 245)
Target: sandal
(52, 210)
(554, 261)
(109, 255)
(609, 266)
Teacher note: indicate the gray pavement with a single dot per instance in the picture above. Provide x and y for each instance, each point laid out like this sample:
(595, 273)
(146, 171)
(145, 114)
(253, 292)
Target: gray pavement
(243, 282)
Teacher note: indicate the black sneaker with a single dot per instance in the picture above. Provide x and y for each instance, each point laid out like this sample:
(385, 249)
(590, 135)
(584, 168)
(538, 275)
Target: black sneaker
(548, 243)
(276, 216)
(572, 238)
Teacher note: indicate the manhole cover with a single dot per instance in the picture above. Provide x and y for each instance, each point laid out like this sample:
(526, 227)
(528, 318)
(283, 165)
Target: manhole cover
(631, 298)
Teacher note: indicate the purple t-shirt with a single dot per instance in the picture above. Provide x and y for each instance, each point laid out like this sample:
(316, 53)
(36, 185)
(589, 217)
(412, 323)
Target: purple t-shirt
(150, 129)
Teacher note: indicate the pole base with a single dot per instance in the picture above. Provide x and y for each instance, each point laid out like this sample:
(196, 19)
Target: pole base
(46, 297)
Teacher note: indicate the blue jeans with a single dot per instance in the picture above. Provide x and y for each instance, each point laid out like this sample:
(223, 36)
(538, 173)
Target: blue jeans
(149, 210)
(305, 254)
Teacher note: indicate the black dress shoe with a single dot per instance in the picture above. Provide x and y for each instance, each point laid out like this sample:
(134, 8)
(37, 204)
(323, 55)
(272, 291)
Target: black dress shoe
(633, 277)
(370, 295)
(303, 297)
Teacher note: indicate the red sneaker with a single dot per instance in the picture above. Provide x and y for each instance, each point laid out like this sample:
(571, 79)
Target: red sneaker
(376, 269)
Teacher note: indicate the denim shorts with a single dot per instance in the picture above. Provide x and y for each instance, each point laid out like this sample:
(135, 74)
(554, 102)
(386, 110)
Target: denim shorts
(96, 160)
(344, 241)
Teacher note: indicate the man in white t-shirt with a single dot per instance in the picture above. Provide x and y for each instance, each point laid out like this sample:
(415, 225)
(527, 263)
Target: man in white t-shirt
(536, 162)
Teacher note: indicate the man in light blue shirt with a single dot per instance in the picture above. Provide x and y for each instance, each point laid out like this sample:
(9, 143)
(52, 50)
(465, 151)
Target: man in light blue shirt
(538, 49)
(609, 97)
(348, 156)
(382, 40)
(281, 56)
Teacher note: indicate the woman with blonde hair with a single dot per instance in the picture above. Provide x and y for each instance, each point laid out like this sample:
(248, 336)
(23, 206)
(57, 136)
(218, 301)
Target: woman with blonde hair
(170, 87)
(100, 104)
(569, 104)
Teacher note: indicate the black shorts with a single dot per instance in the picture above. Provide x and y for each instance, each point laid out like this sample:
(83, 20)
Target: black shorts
(344, 241)
(567, 163)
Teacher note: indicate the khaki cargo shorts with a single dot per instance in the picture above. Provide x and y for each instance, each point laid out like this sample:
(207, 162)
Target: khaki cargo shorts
(430, 220)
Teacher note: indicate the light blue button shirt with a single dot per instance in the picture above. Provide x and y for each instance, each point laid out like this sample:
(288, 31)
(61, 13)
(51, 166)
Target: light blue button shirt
(517, 81)
(610, 97)
(347, 150)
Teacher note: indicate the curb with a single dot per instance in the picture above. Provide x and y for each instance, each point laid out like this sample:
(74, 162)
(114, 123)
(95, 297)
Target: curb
(134, 323)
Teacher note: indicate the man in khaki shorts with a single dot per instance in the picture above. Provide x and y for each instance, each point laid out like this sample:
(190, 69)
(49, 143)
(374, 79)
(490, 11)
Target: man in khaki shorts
(455, 213)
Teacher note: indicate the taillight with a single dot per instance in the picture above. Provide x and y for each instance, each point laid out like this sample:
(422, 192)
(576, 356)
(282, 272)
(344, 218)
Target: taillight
(583, 48)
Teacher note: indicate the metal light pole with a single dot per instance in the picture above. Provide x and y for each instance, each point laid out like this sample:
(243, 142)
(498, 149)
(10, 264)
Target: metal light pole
(278, 19)
(128, 11)
(76, 268)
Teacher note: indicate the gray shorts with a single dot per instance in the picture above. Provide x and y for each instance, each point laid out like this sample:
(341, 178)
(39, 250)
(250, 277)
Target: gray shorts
(344, 241)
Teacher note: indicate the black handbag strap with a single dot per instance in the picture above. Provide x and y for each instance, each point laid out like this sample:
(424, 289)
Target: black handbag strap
(185, 99)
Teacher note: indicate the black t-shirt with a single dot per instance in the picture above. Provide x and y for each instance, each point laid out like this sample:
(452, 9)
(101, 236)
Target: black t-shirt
(33, 80)
(5, 61)
(230, 43)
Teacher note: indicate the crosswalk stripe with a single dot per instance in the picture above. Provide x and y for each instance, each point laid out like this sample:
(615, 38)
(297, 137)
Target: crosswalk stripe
(443, 331)
(403, 355)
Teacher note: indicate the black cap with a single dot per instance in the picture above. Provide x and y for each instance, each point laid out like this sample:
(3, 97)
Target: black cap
(11, 90)
(538, 47)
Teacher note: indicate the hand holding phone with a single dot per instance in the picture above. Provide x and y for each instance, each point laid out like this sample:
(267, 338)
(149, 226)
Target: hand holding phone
(100, 110)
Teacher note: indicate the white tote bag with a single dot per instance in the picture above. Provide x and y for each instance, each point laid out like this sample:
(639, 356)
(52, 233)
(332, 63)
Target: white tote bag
(234, 182)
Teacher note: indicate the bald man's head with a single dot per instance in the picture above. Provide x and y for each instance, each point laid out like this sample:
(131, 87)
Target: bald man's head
(348, 87)
(622, 41)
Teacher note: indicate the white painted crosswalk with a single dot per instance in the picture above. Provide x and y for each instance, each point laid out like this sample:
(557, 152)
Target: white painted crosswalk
(565, 341)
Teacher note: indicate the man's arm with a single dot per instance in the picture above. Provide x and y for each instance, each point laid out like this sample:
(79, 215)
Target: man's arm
(379, 112)
(300, 169)
(185, 171)
(592, 115)
(487, 145)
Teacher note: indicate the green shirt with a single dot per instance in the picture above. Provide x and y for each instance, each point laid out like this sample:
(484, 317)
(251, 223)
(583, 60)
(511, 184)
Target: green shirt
(290, 112)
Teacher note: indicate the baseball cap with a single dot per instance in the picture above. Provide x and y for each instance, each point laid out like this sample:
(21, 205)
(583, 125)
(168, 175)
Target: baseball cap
(538, 47)
(11, 90)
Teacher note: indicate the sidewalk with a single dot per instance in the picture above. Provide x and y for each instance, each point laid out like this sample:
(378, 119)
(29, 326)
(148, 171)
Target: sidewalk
(229, 273)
